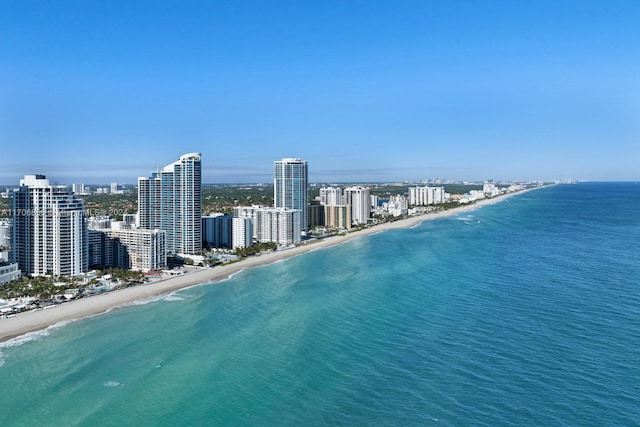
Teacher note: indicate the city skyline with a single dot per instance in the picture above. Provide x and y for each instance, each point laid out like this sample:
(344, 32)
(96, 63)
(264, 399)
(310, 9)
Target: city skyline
(367, 92)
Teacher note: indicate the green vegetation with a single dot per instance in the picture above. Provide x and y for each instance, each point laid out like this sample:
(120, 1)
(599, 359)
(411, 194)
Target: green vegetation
(123, 275)
(112, 205)
(256, 248)
(5, 205)
(37, 287)
(224, 197)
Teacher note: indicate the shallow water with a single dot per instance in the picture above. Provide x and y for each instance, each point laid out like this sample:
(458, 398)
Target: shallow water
(521, 313)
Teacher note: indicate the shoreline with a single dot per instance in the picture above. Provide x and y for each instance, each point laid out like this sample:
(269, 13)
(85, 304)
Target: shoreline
(27, 322)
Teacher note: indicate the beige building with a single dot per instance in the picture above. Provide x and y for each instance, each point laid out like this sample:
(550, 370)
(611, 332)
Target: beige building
(337, 216)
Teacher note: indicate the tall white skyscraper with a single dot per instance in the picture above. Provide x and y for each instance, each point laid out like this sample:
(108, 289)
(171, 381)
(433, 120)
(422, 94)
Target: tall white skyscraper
(290, 187)
(360, 200)
(49, 229)
(171, 200)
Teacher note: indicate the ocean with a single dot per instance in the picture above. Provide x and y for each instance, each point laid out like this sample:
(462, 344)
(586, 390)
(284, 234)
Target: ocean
(526, 312)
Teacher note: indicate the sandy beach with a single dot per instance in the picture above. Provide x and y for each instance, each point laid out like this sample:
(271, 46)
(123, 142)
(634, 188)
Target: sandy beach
(27, 322)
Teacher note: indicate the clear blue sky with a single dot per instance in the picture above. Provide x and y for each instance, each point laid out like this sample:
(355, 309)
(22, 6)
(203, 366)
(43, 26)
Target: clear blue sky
(101, 91)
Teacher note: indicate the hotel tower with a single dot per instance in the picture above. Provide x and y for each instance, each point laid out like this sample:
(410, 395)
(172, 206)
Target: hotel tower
(171, 200)
(290, 187)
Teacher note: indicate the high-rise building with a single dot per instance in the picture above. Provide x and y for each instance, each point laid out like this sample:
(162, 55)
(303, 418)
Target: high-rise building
(331, 196)
(49, 229)
(5, 238)
(422, 196)
(78, 189)
(247, 212)
(315, 213)
(360, 200)
(280, 225)
(290, 187)
(337, 216)
(217, 231)
(136, 249)
(242, 232)
(171, 200)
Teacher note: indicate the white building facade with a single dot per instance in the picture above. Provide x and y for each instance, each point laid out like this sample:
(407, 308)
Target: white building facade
(280, 225)
(171, 200)
(290, 187)
(8, 272)
(360, 200)
(331, 196)
(242, 234)
(49, 233)
(423, 196)
(138, 249)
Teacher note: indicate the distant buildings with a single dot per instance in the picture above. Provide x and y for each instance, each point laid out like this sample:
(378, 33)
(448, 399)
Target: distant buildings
(171, 200)
(345, 208)
(490, 190)
(290, 187)
(79, 189)
(423, 196)
(331, 196)
(49, 229)
(397, 206)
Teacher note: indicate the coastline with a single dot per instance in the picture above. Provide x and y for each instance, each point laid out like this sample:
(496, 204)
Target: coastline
(27, 322)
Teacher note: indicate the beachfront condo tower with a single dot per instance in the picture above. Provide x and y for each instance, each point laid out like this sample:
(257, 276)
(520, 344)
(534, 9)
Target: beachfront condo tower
(49, 229)
(360, 200)
(171, 200)
(290, 187)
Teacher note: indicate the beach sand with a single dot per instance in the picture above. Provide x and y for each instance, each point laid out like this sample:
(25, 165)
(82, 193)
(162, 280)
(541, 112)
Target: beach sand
(26, 322)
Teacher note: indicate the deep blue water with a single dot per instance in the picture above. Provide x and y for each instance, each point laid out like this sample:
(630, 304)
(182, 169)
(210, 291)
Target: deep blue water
(521, 313)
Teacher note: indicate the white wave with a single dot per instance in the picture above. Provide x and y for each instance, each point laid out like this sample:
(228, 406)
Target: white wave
(173, 297)
(145, 301)
(112, 383)
(31, 336)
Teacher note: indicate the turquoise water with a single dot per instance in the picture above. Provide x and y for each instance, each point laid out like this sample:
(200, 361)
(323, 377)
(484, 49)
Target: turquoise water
(521, 313)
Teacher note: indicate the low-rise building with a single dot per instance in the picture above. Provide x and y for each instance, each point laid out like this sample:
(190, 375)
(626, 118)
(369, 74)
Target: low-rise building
(8, 272)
